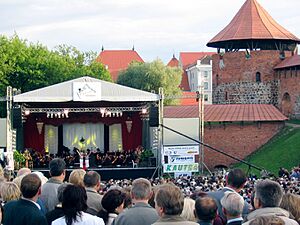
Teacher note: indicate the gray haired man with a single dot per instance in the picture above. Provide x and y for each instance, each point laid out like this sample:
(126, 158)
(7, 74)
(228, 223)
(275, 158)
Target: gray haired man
(268, 195)
(141, 213)
(233, 205)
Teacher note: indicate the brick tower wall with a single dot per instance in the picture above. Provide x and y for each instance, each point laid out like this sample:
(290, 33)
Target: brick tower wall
(289, 81)
(236, 81)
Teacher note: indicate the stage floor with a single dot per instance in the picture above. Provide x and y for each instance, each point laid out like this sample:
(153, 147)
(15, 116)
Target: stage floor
(113, 173)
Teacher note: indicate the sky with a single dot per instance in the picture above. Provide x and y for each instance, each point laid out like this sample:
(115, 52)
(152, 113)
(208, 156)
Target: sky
(156, 28)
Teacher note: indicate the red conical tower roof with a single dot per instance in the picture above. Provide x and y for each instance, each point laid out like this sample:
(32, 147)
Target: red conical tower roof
(173, 62)
(252, 22)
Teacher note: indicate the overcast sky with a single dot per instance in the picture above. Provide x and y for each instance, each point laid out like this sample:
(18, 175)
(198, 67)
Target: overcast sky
(157, 28)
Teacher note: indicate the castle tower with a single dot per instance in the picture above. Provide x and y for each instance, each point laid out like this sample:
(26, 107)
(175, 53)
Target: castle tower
(249, 48)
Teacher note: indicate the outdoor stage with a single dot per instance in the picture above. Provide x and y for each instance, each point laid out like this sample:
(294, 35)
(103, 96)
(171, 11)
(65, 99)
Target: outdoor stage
(114, 173)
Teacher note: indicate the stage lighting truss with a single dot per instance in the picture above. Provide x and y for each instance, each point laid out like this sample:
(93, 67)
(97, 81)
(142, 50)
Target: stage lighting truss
(104, 111)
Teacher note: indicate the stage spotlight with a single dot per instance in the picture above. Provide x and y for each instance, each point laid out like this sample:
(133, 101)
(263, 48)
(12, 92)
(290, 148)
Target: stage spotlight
(144, 111)
(121, 114)
(51, 115)
(27, 112)
(102, 110)
(58, 114)
(48, 115)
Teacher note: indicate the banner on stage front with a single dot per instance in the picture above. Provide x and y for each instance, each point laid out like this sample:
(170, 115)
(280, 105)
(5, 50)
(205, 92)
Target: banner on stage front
(181, 150)
(86, 91)
(179, 168)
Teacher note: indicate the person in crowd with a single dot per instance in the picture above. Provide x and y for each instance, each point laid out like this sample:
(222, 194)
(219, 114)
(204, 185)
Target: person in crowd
(9, 191)
(188, 209)
(41, 176)
(58, 211)
(205, 210)
(235, 181)
(91, 182)
(141, 213)
(267, 220)
(291, 203)
(57, 168)
(169, 205)
(25, 211)
(128, 200)
(74, 205)
(113, 205)
(76, 177)
(233, 204)
(268, 195)
(23, 171)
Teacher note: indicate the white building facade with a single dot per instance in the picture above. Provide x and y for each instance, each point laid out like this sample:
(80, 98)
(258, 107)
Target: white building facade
(200, 75)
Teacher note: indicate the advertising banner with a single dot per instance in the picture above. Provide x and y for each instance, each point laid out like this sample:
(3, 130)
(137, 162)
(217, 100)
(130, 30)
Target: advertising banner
(181, 150)
(181, 159)
(180, 168)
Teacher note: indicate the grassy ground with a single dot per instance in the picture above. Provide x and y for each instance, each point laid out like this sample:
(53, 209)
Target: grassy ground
(281, 151)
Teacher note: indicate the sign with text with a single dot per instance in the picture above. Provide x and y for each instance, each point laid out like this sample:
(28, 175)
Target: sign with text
(183, 159)
(181, 150)
(86, 91)
(180, 168)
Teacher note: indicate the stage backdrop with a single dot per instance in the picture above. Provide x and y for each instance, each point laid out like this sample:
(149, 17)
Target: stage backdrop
(93, 133)
(51, 139)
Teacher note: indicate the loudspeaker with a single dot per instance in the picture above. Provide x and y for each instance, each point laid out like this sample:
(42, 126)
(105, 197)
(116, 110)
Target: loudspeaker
(153, 117)
(17, 118)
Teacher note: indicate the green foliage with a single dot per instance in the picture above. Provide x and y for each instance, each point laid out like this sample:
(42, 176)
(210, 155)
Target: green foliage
(146, 154)
(151, 76)
(27, 66)
(19, 157)
(280, 151)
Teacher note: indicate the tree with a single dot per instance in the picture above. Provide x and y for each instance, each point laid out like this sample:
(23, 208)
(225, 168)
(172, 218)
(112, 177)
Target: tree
(151, 76)
(27, 66)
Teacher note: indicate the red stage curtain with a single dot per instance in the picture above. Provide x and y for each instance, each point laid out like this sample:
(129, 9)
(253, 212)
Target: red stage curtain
(34, 140)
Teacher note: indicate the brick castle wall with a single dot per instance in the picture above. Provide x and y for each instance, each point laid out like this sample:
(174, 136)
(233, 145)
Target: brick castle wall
(237, 140)
(236, 82)
(289, 92)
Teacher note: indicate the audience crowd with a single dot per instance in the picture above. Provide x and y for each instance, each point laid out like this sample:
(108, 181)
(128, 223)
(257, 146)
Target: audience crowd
(84, 199)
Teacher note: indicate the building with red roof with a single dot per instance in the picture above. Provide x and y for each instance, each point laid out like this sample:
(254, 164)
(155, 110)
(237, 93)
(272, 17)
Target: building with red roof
(173, 62)
(256, 50)
(117, 60)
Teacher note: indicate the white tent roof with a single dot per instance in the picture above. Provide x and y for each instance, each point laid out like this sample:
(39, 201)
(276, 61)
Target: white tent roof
(63, 92)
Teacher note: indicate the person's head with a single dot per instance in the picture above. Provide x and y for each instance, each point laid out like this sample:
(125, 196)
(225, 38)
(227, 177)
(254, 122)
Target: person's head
(31, 186)
(41, 176)
(206, 209)
(188, 210)
(141, 189)
(236, 179)
(73, 202)
(60, 190)
(92, 180)
(267, 194)
(23, 171)
(10, 191)
(270, 220)
(169, 200)
(57, 167)
(232, 204)
(76, 177)
(113, 201)
(291, 203)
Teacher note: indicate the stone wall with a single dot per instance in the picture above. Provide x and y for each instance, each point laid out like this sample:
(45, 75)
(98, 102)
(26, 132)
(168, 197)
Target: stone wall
(236, 139)
(246, 92)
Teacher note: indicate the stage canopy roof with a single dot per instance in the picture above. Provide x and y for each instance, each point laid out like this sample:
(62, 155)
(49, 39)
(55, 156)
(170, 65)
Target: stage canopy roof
(86, 89)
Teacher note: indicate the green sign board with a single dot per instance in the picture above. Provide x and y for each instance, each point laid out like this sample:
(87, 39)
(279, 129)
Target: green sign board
(175, 168)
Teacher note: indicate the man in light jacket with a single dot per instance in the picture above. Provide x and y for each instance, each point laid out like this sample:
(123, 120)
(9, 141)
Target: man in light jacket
(268, 195)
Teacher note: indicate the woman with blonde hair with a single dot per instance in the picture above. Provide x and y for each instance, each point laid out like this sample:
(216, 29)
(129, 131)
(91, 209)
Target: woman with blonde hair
(10, 191)
(76, 177)
(291, 203)
(188, 210)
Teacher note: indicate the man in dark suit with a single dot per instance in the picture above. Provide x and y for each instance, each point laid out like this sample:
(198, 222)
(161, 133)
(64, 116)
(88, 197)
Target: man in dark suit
(235, 181)
(233, 204)
(25, 211)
